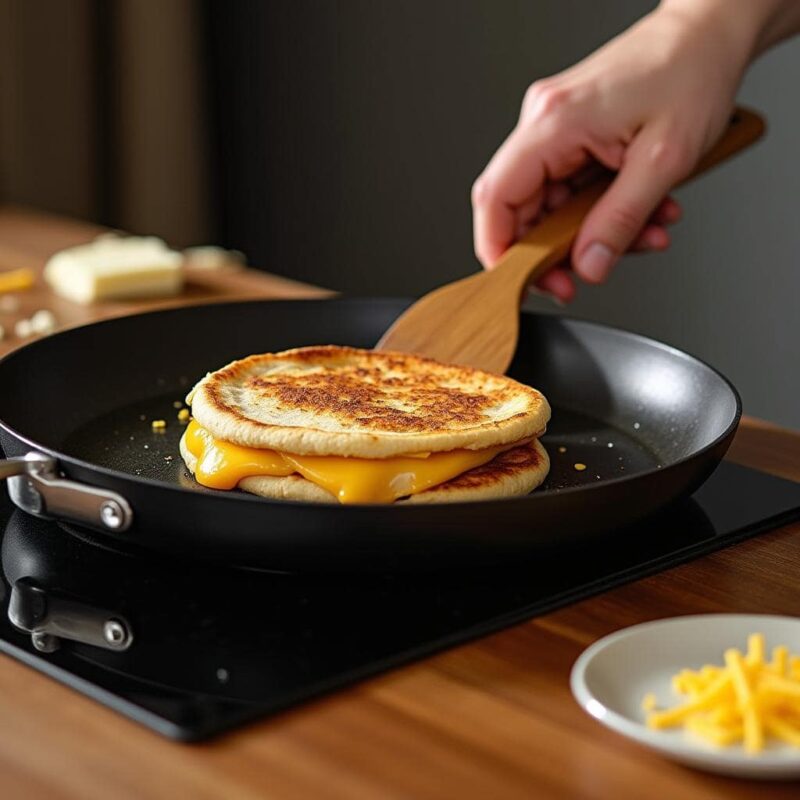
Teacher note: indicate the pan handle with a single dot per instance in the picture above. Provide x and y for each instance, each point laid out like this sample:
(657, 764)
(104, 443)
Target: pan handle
(35, 485)
(9, 467)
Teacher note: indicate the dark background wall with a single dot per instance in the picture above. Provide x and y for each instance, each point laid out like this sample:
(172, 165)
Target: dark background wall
(350, 133)
(336, 141)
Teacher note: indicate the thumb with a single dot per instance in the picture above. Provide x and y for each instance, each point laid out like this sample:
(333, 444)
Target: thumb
(653, 164)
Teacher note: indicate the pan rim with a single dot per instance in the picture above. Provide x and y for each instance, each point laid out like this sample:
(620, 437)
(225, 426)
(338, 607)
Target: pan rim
(239, 496)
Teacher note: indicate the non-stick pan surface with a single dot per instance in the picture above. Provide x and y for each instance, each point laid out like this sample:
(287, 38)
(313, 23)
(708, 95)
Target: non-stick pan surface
(649, 422)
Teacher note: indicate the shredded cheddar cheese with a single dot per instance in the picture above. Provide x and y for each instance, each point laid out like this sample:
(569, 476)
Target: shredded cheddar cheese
(16, 280)
(649, 702)
(745, 701)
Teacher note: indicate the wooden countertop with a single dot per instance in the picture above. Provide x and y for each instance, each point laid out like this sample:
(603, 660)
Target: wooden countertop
(491, 719)
(28, 239)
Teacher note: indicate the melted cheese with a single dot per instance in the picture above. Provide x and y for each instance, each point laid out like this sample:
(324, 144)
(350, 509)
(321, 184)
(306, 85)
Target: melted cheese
(221, 465)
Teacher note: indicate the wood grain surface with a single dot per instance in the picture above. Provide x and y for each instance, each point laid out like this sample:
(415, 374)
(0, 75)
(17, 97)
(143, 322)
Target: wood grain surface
(491, 719)
(28, 239)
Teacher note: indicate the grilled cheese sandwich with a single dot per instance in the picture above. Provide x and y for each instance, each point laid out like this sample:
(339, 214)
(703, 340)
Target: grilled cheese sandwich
(354, 426)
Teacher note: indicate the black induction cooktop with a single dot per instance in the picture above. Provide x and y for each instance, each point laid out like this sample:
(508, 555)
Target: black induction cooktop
(191, 650)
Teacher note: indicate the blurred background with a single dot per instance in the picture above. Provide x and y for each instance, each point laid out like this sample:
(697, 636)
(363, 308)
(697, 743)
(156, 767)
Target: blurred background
(335, 141)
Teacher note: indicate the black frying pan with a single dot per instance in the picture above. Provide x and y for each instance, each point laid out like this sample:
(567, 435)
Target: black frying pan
(649, 421)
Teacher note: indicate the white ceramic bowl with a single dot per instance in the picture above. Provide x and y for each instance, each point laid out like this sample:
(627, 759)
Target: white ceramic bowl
(612, 676)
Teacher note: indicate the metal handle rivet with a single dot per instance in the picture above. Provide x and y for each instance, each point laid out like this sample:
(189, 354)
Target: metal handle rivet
(44, 642)
(112, 515)
(115, 633)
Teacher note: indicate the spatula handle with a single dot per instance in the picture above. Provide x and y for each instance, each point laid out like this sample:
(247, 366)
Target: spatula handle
(548, 243)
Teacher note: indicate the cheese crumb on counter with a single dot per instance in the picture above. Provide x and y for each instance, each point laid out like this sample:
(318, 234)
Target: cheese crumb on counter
(23, 329)
(16, 280)
(116, 268)
(43, 322)
(210, 257)
(9, 303)
(158, 425)
(183, 415)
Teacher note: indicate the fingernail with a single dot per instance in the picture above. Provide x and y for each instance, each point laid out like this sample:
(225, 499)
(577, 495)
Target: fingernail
(596, 261)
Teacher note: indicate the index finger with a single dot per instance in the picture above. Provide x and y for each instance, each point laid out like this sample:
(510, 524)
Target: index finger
(516, 177)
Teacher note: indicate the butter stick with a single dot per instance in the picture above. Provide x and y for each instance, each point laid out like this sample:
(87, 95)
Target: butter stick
(116, 268)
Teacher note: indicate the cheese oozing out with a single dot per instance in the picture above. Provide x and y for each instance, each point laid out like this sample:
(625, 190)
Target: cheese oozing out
(221, 465)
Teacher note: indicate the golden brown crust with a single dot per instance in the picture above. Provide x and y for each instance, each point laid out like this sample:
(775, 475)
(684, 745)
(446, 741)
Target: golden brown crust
(512, 473)
(504, 465)
(344, 401)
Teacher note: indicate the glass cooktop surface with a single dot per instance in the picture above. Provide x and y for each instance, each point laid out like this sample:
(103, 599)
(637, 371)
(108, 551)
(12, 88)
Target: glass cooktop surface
(193, 649)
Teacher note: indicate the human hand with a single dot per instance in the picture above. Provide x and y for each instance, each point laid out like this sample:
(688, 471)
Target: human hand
(647, 105)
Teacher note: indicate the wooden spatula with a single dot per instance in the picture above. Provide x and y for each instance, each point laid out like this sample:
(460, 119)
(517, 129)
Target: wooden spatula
(475, 321)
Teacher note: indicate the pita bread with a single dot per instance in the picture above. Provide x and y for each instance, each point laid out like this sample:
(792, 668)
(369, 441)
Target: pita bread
(348, 402)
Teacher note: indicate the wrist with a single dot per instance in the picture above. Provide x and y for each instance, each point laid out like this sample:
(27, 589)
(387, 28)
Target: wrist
(734, 28)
